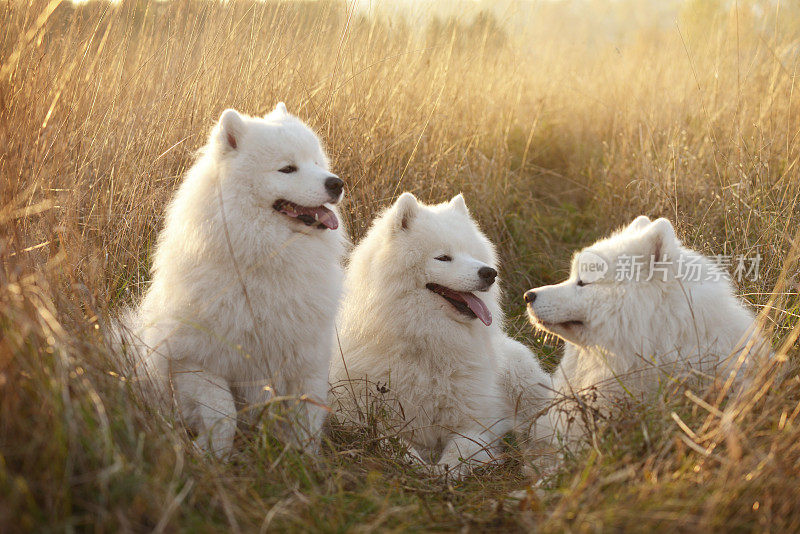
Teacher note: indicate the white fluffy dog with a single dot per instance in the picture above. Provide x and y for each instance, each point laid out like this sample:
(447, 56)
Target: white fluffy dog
(421, 328)
(246, 279)
(637, 307)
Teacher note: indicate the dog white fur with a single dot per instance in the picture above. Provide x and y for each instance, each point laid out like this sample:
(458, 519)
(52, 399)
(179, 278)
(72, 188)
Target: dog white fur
(245, 288)
(626, 330)
(442, 371)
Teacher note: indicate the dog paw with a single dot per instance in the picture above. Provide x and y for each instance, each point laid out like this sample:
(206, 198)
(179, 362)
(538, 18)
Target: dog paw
(413, 456)
(453, 468)
(207, 448)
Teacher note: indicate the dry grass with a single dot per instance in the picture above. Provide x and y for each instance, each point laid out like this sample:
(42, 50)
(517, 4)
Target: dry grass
(568, 123)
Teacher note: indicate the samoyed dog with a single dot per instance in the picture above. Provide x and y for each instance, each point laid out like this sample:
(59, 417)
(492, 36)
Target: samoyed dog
(638, 308)
(420, 329)
(246, 280)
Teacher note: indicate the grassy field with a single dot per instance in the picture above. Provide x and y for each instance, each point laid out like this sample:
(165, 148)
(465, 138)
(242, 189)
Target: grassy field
(558, 122)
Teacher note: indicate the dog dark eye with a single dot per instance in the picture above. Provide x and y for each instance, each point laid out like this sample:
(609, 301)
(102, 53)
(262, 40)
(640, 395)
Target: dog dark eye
(289, 169)
(581, 283)
(444, 257)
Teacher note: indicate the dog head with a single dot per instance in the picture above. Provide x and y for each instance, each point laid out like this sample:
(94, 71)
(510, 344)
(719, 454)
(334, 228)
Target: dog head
(278, 163)
(451, 262)
(634, 281)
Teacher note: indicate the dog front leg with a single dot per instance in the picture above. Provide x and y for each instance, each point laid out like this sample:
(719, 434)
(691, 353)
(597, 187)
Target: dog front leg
(310, 414)
(467, 451)
(302, 413)
(206, 402)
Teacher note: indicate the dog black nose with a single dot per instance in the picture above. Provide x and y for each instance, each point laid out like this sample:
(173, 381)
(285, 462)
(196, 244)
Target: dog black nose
(530, 296)
(488, 274)
(334, 186)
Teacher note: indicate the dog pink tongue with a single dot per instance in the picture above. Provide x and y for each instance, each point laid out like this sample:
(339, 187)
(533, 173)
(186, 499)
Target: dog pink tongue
(321, 214)
(478, 308)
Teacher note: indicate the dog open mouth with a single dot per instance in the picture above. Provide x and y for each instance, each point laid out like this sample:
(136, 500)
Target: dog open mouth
(563, 325)
(318, 217)
(464, 302)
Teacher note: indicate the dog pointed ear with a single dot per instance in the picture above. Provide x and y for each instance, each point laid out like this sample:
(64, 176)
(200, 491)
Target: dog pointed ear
(458, 203)
(279, 110)
(405, 210)
(639, 223)
(230, 129)
(660, 240)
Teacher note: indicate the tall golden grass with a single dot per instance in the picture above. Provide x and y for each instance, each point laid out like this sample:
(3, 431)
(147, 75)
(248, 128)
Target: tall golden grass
(558, 121)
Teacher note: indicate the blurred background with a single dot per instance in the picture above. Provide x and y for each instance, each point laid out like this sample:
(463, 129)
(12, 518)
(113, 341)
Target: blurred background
(558, 119)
